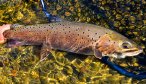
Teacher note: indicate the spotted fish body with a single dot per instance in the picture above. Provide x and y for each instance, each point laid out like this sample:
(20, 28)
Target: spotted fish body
(82, 38)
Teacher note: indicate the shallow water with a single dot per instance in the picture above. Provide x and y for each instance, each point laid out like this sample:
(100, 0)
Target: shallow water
(19, 65)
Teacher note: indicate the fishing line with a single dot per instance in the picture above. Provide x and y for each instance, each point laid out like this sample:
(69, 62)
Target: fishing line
(121, 70)
(50, 17)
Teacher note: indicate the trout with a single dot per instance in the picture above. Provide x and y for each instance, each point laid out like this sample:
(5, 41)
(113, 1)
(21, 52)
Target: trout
(80, 38)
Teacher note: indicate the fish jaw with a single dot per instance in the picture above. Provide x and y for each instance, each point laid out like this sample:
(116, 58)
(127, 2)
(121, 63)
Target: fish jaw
(2, 29)
(126, 54)
(132, 52)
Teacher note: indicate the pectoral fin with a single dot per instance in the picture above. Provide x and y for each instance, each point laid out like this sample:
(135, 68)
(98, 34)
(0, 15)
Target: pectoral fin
(97, 54)
(45, 51)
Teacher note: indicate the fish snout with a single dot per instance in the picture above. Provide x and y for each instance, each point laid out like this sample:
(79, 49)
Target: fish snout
(3, 28)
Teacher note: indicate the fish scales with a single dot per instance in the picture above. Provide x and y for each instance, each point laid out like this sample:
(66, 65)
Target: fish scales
(73, 37)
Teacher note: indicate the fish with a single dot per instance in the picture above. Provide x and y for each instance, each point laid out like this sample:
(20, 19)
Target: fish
(75, 37)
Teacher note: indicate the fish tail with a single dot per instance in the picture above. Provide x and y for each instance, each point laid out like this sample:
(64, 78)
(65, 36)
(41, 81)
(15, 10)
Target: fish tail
(8, 34)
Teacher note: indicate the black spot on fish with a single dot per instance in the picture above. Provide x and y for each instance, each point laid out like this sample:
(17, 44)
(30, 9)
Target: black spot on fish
(69, 31)
(88, 35)
(88, 30)
(68, 27)
(96, 33)
(92, 42)
(83, 32)
(62, 25)
(78, 34)
(99, 37)
(63, 29)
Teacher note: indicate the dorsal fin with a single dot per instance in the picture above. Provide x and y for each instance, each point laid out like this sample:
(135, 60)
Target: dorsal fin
(13, 26)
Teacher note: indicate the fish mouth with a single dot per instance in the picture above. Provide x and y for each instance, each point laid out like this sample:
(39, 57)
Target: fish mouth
(133, 52)
(127, 53)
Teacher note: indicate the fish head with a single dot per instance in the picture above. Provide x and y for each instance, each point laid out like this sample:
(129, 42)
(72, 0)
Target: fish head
(126, 48)
(2, 29)
(117, 46)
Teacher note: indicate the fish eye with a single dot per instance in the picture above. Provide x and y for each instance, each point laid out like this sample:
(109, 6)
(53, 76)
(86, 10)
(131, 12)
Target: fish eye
(126, 45)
